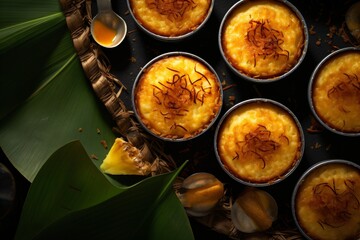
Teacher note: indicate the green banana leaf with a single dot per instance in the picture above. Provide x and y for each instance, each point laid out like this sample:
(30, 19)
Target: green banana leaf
(45, 98)
(71, 199)
(47, 102)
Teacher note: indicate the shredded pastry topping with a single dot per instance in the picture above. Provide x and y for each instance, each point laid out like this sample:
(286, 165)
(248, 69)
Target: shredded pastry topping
(346, 88)
(173, 9)
(258, 144)
(336, 207)
(265, 40)
(180, 91)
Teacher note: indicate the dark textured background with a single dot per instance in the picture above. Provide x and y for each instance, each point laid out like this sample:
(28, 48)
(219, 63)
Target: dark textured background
(138, 48)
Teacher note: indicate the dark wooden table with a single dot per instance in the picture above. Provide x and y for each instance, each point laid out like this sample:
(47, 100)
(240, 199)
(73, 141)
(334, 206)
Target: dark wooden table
(327, 32)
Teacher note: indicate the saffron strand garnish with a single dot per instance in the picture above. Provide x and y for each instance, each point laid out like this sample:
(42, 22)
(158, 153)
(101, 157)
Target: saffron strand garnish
(334, 206)
(173, 10)
(178, 91)
(265, 40)
(345, 87)
(258, 144)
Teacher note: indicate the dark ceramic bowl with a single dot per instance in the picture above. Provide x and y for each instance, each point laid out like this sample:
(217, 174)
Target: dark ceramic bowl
(284, 174)
(200, 75)
(321, 166)
(164, 38)
(356, 88)
(263, 79)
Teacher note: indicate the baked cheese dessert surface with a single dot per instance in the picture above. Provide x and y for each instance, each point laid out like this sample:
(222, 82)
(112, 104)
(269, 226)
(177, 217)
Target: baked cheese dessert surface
(178, 97)
(336, 92)
(170, 18)
(262, 39)
(327, 202)
(259, 142)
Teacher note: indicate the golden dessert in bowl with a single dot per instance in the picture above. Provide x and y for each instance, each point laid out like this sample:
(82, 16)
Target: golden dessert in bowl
(177, 96)
(326, 201)
(170, 20)
(334, 92)
(263, 41)
(259, 142)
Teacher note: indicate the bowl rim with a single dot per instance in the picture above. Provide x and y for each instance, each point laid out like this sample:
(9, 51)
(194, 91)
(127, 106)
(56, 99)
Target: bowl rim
(165, 55)
(272, 79)
(310, 90)
(277, 104)
(171, 38)
(301, 180)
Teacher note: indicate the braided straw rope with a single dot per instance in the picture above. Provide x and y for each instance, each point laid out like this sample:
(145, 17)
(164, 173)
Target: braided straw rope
(107, 87)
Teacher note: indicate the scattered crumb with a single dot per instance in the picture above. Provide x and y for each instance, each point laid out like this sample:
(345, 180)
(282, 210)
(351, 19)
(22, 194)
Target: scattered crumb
(318, 42)
(80, 130)
(332, 31)
(332, 45)
(133, 59)
(104, 143)
(316, 146)
(311, 30)
(229, 86)
(315, 127)
(232, 99)
(98, 131)
(93, 156)
(345, 37)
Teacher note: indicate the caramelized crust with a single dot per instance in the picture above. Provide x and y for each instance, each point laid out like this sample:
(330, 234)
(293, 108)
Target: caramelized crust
(327, 203)
(259, 142)
(263, 39)
(178, 97)
(336, 92)
(170, 18)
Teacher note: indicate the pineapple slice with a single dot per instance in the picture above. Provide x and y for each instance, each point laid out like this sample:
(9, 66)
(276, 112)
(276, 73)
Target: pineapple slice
(125, 159)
